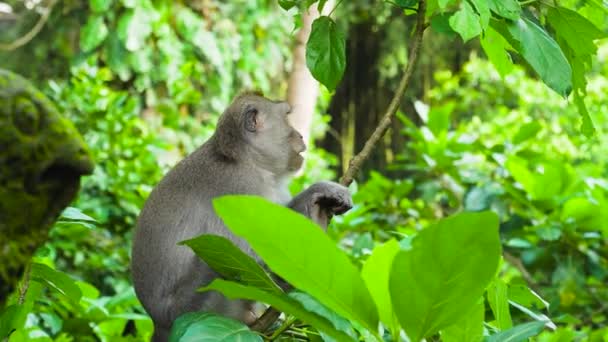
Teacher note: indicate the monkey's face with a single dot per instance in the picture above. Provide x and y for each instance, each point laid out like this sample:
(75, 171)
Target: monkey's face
(274, 143)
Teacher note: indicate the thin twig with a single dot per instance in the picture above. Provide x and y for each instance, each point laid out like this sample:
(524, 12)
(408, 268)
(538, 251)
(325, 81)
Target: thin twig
(358, 160)
(26, 38)
(25, 285)
(515, 262)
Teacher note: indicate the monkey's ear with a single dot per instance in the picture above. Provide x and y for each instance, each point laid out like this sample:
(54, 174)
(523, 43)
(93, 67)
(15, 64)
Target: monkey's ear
(253, 121)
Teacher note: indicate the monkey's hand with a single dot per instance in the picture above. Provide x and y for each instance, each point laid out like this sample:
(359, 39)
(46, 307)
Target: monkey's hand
(321, 201)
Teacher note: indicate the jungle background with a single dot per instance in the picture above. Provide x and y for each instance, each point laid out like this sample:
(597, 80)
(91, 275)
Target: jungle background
(145, 81)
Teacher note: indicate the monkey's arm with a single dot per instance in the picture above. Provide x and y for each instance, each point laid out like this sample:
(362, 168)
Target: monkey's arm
(321, 201)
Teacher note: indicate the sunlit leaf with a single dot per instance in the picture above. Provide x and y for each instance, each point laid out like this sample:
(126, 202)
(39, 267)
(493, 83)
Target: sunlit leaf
(93, 33)
(230, 262)
(466, 22)
(509, 9)
(325, 52)
(468, 329)
(578, 32)
(445, 273)
(312, 305)
(208, 327)
(518, 333)
(499, 302)
(375, 273)
(496, 47)
(280, 301)
(56, 280)
(301, 253)
(540, 50)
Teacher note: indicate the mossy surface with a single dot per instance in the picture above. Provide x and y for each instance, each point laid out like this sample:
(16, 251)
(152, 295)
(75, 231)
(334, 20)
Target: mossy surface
(42, 157)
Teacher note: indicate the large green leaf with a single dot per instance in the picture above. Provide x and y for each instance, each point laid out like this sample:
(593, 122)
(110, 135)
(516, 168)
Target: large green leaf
(540, 50)
(93, 33)
(496, 47)
(466, 22)
(230, 262)
(56, 280)
(280, 301)
(508, 9)
(312, 305)
(444, 3)
(11, 318)
(375, 273)
(208, 327)
(482, 8)
(301, 253)
(100, 6)
(468, 329)
(578, 32)
(445, 273)
(499, 302)
(518, 333)
(325, 52)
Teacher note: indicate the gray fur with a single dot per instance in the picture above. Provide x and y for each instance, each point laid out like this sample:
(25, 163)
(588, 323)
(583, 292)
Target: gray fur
(253, 151)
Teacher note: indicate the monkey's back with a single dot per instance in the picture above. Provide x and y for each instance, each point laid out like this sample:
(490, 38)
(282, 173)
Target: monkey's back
(166, 275)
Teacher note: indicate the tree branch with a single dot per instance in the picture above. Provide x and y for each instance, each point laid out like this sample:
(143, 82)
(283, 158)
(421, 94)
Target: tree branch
(271, 314)
(26, 38)
(357, 161)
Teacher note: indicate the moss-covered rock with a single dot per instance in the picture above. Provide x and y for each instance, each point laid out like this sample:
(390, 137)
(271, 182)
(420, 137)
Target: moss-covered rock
(42, 157)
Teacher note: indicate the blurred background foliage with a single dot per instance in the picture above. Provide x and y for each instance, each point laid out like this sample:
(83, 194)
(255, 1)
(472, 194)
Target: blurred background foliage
(144, 82)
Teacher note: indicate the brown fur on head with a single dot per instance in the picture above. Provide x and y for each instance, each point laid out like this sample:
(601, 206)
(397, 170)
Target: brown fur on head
(256, 129)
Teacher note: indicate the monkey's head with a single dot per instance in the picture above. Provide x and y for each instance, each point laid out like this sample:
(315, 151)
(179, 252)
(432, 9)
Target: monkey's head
(256, 129)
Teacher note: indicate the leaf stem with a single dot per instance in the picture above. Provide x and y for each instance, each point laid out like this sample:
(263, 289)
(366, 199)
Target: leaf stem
(26, 283)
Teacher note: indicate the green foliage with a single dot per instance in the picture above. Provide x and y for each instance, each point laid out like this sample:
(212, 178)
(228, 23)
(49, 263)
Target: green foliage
(207, 327)
(301, 244)
(438, 279)
(229, 261)
(325, 52)
(282, 302)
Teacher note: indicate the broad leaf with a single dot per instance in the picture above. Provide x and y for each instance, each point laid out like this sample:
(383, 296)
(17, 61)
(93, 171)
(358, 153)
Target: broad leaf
(325, 52)
(93, 33)
(578, 32)
(301, 253)
(100, 6)
(526, 132)
(466, 22)
(445, 273)
(444, 3)
(134, 27)
(11, 318)
(56, 280)
(499, 302)
(375, 273)
(230, 262)
(208, 327)
(312, 305)
(540, 51)
(508, 9)
(587, 127)
(518, 333)
(281, 301)
(482, 8)
(496, 47)
(469, 329)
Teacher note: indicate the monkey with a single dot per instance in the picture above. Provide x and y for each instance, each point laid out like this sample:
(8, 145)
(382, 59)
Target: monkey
(254, 151)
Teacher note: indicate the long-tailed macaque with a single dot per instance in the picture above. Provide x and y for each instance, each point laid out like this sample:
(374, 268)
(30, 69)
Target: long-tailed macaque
(253, 151)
